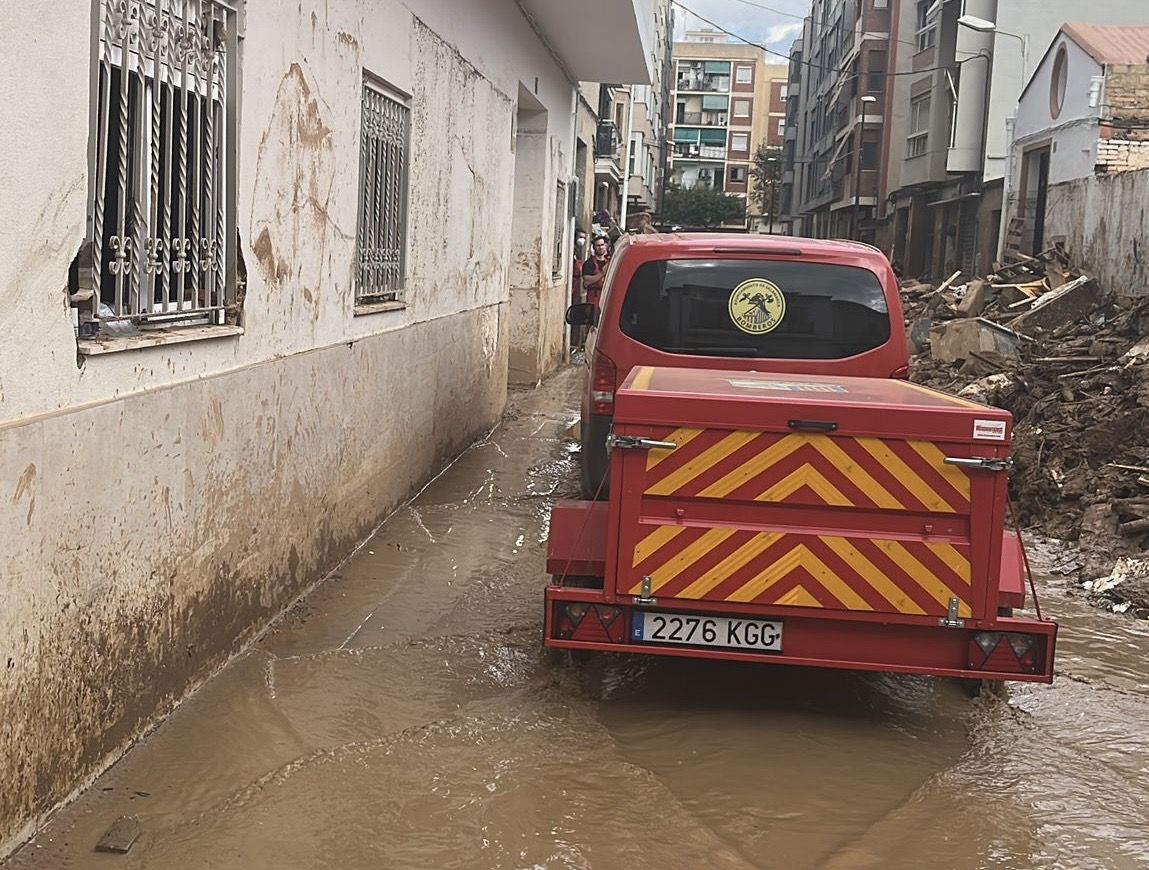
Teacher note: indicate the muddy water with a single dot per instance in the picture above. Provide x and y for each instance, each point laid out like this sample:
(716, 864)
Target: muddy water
(405, 717)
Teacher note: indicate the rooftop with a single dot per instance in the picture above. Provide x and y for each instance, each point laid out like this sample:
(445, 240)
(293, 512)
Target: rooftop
(1111, 44)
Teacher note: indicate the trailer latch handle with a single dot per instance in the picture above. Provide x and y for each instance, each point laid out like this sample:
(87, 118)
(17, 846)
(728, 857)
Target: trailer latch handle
(814, 425)
(628, 442)
(981, 464)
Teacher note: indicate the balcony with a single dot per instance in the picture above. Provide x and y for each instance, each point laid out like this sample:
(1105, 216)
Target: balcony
(621, 48)
(606, 139)
(702, 119)
(690, 151)
(705, 84)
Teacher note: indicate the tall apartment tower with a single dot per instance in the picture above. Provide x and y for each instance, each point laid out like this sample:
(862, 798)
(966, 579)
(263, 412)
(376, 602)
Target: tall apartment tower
(726, 101)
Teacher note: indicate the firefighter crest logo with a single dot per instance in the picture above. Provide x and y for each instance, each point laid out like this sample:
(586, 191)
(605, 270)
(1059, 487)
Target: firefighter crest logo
(757, 306)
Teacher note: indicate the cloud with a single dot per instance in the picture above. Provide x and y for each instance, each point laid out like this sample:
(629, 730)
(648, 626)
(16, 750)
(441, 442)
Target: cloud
(783, 33)
(775, 28)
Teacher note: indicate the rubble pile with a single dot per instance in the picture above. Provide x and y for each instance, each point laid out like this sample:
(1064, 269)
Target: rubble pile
(1071, 363)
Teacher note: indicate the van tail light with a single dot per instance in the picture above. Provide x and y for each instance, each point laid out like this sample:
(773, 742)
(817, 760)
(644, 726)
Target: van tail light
(1006, 652)
(593, 623)
(602, 382)
(901, 373)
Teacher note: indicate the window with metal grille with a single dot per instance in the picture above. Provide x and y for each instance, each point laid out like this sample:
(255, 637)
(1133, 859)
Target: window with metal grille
(161, 210)
(383, 166)
(557, 257)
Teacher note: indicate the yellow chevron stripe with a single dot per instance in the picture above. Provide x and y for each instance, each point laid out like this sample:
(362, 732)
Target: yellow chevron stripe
(869, 572)
(906, 476)
(799, 597)
(757, 545)
(801, 557)
(642, 378)
(659, 537)
(776, 452)
(766, 578)
(957, 478)
(681, 437)
(683, 559)
(857, 475)
(956, 562)
(921, 575)
(809, 476)
(682, 476)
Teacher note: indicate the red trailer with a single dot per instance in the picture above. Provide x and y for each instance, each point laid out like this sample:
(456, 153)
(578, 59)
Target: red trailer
(796, 519)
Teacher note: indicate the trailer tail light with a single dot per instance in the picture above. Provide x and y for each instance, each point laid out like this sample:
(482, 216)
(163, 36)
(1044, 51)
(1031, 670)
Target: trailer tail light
(1006, 652)
(595, 623)
(603, 379)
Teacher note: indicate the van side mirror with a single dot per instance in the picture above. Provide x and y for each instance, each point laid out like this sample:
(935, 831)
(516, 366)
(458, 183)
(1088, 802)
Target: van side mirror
(581, 314)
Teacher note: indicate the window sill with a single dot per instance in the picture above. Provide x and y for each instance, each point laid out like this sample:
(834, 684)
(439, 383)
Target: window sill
(378, 307)
(154, 338)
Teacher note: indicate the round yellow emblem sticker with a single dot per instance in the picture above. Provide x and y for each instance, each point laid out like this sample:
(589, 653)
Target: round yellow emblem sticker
(757, 306)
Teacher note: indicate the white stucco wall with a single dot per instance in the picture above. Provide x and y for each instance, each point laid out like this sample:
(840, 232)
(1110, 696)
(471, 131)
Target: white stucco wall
(1040, 20)
(1072, 136)
(158, 505)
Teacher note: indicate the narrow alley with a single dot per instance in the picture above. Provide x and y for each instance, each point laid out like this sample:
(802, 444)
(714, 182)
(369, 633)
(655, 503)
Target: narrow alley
(404, 715)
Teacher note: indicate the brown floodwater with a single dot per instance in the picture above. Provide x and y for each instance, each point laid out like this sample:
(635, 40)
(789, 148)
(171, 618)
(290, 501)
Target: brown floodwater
(405, 716)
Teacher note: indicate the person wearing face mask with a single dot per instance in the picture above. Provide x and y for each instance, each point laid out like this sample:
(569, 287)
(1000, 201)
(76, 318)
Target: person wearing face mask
(594, 269)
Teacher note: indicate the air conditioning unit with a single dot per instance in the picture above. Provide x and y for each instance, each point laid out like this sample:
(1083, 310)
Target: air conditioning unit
(694, 150)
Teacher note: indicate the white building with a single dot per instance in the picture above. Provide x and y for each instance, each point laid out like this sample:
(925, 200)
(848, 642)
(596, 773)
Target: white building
(1084, 112)
(266, 266)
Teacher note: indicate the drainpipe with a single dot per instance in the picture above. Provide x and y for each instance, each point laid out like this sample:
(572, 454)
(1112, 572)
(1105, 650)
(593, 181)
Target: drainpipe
(1006, 187)
(626, 159)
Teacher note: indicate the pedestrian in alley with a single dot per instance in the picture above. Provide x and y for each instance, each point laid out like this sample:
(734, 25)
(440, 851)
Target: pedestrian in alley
(594, 269)
(643, 224)
(576, 281)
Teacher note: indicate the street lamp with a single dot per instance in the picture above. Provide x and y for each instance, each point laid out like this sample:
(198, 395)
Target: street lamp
(866, 101)
(770, 224)
(981, 25)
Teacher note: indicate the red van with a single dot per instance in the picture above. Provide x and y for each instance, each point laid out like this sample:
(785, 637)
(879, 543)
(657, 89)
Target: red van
(734, 302)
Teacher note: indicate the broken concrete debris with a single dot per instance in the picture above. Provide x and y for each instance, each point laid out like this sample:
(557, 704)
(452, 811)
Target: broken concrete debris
(1070, 361)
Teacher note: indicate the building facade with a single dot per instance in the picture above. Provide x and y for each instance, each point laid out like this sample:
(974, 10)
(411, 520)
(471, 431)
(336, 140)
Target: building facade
(726, 100)
(836, 119)
(277, 272)
(956, 76)
(647, 155)
(1084, 113)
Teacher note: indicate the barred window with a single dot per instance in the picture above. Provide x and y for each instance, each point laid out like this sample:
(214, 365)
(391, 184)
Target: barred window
(161, 212)
(383, 167)
(560, 229)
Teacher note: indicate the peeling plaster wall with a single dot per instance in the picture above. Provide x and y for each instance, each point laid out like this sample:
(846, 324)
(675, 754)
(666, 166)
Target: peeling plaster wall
(158, 506)
(1104, 222)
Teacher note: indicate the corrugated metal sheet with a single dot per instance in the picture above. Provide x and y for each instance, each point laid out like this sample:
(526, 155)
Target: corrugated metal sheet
(1111, 43)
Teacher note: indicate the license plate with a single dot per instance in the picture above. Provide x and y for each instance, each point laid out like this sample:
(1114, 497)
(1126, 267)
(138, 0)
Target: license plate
(760, 635)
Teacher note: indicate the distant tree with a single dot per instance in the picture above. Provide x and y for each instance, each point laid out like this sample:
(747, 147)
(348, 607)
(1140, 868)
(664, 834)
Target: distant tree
(701, 207)
(766, 170)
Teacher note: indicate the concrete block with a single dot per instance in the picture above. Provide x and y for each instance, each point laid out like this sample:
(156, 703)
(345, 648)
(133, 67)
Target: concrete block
(978, 294)
(1058, 307)
(956, 340)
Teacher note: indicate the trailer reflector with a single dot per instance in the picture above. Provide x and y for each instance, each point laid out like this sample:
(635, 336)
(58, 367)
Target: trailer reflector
(594, 623)
(1006, 652)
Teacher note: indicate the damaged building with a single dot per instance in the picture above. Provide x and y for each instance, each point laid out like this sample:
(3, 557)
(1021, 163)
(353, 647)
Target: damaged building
(267, 268)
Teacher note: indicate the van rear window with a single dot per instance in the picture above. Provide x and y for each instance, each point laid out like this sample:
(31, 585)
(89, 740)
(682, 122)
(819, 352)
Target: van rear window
(756, 308)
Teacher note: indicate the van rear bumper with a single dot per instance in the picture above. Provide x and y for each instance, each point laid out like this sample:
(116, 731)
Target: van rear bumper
(983, 652)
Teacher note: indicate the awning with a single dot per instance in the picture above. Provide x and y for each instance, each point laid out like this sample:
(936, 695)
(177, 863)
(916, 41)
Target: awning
(715, 102)
(686, 134)
(720, 67)
(713, 137)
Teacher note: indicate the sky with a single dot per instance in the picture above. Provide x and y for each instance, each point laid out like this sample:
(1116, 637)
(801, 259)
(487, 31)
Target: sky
(776, 27)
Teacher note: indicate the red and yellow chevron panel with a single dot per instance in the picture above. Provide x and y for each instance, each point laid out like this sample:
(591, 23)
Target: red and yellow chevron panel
(802, 570)
(809, 469)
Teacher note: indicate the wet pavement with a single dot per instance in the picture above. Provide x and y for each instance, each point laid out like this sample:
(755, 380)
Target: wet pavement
(405, 716)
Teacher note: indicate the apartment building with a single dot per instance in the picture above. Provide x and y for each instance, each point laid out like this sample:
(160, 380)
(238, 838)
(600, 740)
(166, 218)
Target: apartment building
(836, 122)
(726, 101)
(959, 68)
(276, 273)
(648, 124)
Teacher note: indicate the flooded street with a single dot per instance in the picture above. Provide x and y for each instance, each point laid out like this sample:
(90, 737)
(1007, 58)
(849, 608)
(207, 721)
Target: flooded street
(405, 716)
